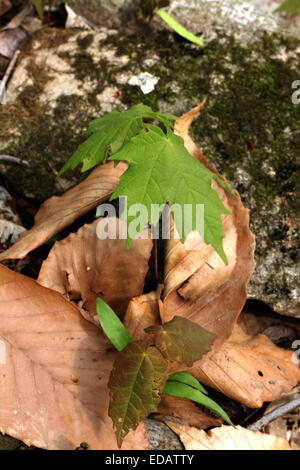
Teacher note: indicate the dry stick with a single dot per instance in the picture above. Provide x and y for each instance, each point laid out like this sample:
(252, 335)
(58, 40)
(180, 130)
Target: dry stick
(10, 159)
(8, 74)
(49, 12)
(277, 413)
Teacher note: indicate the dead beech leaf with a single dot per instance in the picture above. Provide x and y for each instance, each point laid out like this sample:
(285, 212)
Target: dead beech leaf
(198, 285)
(84, 267)
(227, 438)
(60, 211)
(142, 312)
(54, 369)
(186, 410)
(249, 369)
(5, 5)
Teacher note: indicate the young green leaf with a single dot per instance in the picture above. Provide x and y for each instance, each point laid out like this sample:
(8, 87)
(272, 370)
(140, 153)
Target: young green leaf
(290, 6)
(112, 326)
(188, 379)
(39, 6)
(136, 382)
(113, 131)
(168, 173)
(182, 390)
(181, 340)
(178, 28)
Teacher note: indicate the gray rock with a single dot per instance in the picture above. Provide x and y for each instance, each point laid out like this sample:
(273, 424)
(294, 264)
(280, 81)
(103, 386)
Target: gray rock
(160, 437)
(105, 12)
(236, 16)
(244, 18)
(249, 127)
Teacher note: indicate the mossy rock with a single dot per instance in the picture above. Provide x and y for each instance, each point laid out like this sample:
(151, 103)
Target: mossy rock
(105, 12)
(249, 127)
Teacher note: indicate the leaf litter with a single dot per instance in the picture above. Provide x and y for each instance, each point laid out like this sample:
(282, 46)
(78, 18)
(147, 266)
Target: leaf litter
(198, 286)
(55, 373)
(227, 438)
(83, 267)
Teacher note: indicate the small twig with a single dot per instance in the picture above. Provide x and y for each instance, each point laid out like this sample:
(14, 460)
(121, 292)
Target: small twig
(8, 74)
(52, 168)
(49, 12)
(10, 159)
(277, 413)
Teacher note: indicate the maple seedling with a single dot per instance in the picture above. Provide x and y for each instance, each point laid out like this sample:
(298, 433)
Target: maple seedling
(160, 170)
(139, 376)
(151, 7)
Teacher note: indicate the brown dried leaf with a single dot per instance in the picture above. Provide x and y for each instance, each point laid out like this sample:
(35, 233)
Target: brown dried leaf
(187, 411)
(54, 370)
(227, 438)
(198, 285)
(249, 369)
(84, 267)
(141, 313)
(60, 211)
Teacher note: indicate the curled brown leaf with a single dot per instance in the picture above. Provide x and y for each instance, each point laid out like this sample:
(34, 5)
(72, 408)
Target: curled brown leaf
(198, 285)
(54, 370)
(84, 267)
(249, 369)
(60, 211)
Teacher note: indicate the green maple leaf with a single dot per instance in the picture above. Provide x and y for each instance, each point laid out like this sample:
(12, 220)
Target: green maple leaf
(39, 5)
(182, 340)
(112, 132)
(136, 382)
(161, 170)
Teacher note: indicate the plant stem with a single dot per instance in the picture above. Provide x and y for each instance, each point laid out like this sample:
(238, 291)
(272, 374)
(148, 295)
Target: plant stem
(49, 12)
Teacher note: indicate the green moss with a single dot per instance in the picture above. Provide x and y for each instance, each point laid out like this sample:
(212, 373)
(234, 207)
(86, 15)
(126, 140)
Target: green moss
(53, 37)
(47, 142)
(85, 41)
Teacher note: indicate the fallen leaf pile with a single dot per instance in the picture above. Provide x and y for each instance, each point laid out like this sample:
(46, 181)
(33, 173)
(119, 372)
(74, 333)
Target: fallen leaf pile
(249, 369)
(55, 361)
(60, 211)
(54, 370)
(227, 438)
(83, 267)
